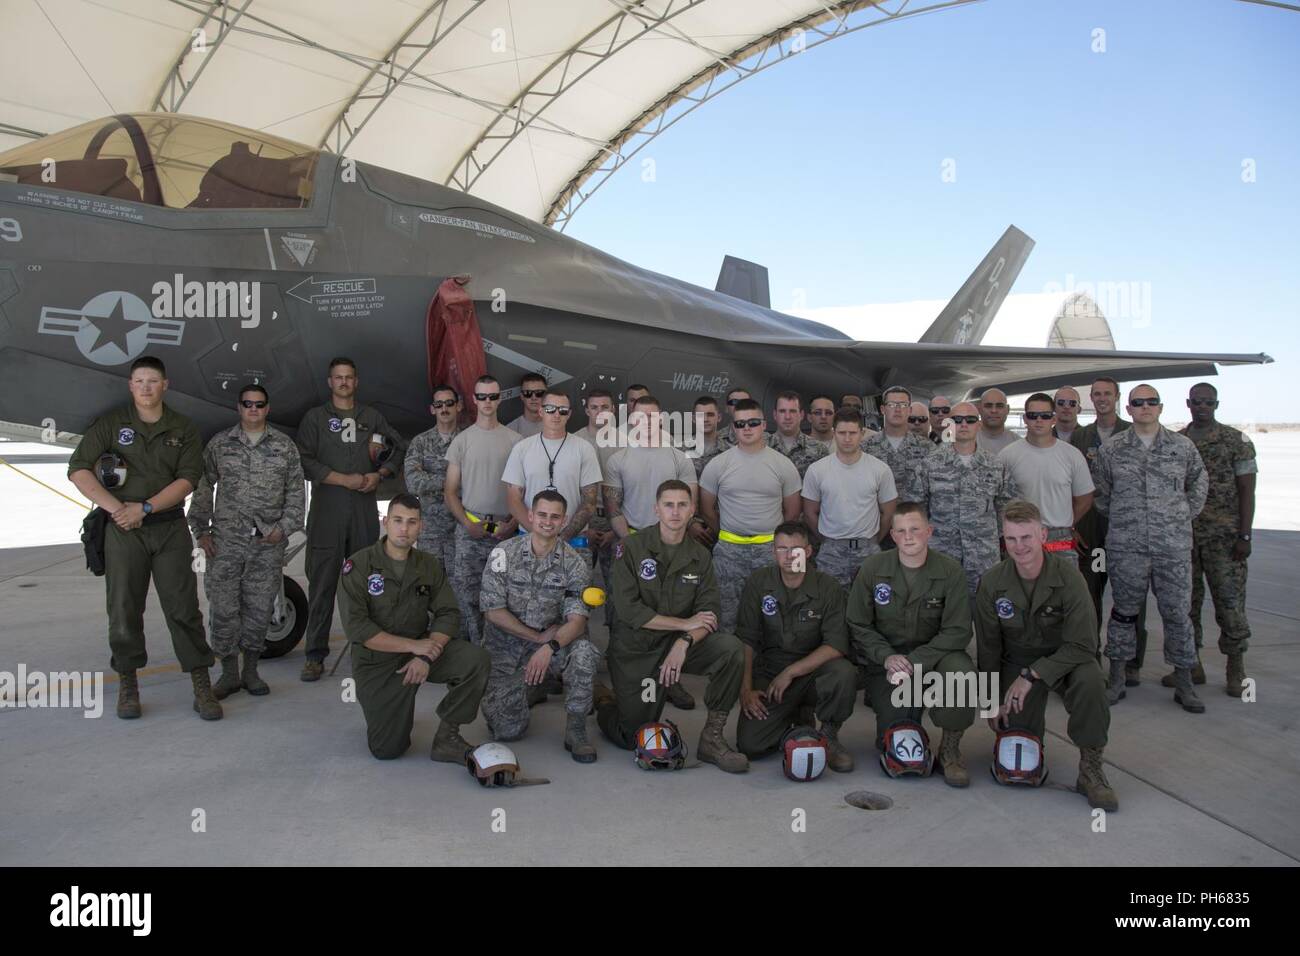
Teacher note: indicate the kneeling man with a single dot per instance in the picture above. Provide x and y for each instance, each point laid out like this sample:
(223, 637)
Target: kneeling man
(401, 616)
(791, 619)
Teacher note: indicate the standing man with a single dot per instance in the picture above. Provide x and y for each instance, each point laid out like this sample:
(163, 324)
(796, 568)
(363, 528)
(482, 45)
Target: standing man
(1221, 532)
(994, 434)
(796, 651)
(599, 406)
(964, 489)
(788, 439)
(146, 535)
(1152, 484)
(908, 608)
(548, 461)
(821, 416)
(666, 624)
(476, 498)
(918, 420)
(1035, 628)
(938, 409)
(536, 622)
(426, 475)
(848, 501)
(1067, 414)
(711, 443)
(260, 502)
(401, 617)
(727, 434)
(897, 447)
(745, 493)
(531, 389)
(1093, 525)
(346, 449)
(1051, 474)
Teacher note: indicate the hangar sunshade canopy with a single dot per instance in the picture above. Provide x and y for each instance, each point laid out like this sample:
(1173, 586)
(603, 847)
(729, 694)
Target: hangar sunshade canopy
(530, 104)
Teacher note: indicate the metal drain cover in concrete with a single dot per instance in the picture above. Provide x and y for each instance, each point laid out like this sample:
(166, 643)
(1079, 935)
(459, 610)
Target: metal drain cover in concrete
(866, 800)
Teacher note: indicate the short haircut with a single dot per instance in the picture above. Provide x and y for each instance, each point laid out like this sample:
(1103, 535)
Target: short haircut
(847, 414)
(793, 529)
(254, 388)
(444, 387)
(636, 388)
(738, 389)
(1040, 397)
(1143, 385)
(1110, 381)
(148, 361)
(550, 494)
(821, 398)
(598, 393)
(531, 377)
(648, 400)
(706, 400)
(1204, 385)
(789, 395)
(747, 405)
(1020, 511)
(338, 360)
(672, 484)
(487, 380)
(896, 390)
(406, 500)
(912, 508)
(850, 395)
(558, 393)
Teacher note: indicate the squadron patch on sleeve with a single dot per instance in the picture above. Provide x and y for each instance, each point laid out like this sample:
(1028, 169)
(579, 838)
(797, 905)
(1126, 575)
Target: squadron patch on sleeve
(347, 567)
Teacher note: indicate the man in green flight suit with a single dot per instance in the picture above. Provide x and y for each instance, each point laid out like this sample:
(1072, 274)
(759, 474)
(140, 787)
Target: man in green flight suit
(402, 618)
(146, 534)
(666, 624)
(909, 608)
(796, 651)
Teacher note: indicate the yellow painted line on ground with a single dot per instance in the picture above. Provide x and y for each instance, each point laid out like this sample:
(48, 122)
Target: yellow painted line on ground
(79, 504)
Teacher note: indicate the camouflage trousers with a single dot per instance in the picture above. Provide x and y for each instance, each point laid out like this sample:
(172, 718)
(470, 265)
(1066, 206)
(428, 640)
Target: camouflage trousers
(1131, 574)
(241, 582)
(842, 557)
(1057, 535)
(469, 559)
(975, 557)
(733, 564)
(438, 538)
(1212, 560)
(505, 702)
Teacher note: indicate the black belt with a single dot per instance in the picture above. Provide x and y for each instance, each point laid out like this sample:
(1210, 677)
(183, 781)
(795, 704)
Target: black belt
(158, 517)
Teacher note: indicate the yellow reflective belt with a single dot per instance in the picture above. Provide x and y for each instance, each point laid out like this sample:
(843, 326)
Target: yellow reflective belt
(730, 538)
(473, 517)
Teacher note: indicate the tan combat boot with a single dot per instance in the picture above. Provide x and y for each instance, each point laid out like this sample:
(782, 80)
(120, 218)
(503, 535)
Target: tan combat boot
(954, 771)
(128, 696)
(713, 747)
(1132, 675)
(448, 745)
(1092, 782)
(1236, 674)
(205, 702)
(1183, 692)
(601, 697)
(838, 757)
(1198, 674)
(311, 671)
(252, 681)
(575, 739)
(228, 683)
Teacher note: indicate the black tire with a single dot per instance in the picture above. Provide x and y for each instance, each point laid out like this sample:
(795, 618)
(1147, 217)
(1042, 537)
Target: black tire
(284, 638)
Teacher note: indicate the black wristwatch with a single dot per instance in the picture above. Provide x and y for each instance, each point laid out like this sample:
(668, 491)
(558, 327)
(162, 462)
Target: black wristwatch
(427, 659)
(690, 641)
(554, 645)
(1028, 675)
(148, 509)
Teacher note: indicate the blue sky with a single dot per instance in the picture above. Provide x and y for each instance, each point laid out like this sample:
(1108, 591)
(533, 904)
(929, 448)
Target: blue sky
(1123, 165)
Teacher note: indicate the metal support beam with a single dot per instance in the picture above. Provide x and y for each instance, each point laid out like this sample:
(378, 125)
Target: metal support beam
(175, 88)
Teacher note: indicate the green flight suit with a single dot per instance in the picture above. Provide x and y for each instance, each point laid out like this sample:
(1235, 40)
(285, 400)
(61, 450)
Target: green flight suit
(155, 455)
(1055, 635)
(340, 521)
(651, 578)
(377, 594)
(783, 627)
(928, 622)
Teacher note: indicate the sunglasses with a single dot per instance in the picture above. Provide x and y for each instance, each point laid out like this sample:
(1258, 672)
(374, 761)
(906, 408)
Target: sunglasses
(533, 392)
(749, 423)
(1207, 402)
(936, 410)
(1066, 403)
(250, 403)
(446, 403)
(1139, 402)
(917, 419)
(1039, 416)
(965, 419)
(488, 396)
(561, 410)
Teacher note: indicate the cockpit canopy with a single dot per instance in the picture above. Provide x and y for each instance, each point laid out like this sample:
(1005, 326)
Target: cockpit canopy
(164, 159)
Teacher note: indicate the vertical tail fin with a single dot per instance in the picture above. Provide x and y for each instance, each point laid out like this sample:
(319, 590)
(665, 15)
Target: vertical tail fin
(742, 279)
(970, 312)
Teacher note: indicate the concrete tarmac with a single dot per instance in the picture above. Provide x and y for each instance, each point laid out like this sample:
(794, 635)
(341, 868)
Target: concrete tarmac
(287, 779)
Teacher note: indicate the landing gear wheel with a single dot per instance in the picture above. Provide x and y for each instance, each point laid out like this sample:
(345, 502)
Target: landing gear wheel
(288, 621)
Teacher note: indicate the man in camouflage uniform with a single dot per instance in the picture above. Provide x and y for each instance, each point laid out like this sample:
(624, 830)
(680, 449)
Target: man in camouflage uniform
(1151, 484)
(260, 502)
(788, 439)
(426, 473)
(1221, 532)
(965, 489)
(899, 448)
(535, 625)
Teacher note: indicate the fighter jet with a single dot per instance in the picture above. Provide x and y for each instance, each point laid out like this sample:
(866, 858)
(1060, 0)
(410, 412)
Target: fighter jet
(239, 257)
